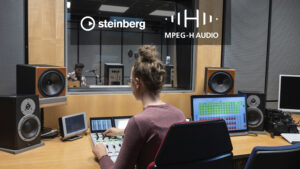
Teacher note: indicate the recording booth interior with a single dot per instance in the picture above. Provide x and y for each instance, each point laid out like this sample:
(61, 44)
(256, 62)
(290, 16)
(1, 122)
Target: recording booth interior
(66, 75)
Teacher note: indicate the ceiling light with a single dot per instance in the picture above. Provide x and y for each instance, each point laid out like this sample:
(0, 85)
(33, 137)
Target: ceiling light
(68, 5)
(162, 13)
(113, 8)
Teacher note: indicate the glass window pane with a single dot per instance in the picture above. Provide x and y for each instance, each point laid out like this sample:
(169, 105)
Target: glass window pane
(105, 37)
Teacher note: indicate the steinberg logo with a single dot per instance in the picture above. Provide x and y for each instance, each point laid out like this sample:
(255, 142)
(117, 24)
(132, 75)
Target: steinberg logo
(114, 22)
(122, 24)
(206, 19)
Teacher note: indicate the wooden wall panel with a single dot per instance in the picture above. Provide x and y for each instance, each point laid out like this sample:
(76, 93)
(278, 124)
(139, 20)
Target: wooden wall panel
(46, 32)
(46, 43)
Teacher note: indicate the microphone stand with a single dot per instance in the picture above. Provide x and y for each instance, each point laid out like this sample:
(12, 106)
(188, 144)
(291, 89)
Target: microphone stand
(95, 74)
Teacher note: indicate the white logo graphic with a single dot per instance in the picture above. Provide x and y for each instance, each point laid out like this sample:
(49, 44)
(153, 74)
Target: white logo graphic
(205, 19)
(88, 23)
(91, 23)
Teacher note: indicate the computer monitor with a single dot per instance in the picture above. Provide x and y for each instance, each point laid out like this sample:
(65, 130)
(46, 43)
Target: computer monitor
(231, 108)
(121, 122)
(100, 124)
(289, 93)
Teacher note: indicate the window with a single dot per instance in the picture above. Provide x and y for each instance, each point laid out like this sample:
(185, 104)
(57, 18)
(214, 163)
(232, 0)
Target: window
(105, 35)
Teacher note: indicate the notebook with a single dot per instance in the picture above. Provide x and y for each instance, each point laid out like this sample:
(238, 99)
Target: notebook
(291, 137)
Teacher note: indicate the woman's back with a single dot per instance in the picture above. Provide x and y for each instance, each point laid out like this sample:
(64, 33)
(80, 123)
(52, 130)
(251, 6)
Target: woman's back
(143, 136)
(145, 131)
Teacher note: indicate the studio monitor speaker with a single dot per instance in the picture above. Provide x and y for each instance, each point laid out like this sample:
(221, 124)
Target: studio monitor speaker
(256, 103)
(219, 80)
(20, 123)
(42, 80)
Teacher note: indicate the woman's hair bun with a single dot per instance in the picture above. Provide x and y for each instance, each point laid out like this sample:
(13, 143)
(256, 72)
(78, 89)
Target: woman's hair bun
(148, 53)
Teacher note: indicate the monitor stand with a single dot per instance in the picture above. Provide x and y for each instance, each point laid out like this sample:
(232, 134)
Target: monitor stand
(72, 138)
(257, 132)
(242, 133)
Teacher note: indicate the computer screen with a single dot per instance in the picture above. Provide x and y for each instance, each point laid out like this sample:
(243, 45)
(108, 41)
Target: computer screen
(289, 93)
(75, 123)
(100, 124)
(121, 123)
(231, 108)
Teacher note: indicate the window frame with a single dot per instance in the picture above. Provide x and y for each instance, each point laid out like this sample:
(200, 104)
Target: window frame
(126, 89)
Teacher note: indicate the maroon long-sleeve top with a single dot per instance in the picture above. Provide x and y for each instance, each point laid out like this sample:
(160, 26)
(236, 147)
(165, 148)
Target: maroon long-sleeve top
(143, 136)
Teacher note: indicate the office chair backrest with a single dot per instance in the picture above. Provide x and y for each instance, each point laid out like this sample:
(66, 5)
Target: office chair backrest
(283, 157)
(195, 145)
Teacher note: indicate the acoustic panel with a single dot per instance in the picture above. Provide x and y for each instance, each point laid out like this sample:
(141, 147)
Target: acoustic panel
(284, 43)
(12, 43)
(246, 52)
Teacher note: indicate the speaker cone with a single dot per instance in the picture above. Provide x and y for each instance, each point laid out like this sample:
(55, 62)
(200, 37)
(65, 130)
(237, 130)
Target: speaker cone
(29, 127)
(220, 82)
(255, 117)
(51, 83)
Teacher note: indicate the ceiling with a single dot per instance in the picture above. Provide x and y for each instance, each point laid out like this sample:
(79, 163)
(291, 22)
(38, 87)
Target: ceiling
(137, 8)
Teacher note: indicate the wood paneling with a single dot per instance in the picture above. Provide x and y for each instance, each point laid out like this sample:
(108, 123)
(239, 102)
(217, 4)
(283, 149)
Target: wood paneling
(46, 32)
(46, 46)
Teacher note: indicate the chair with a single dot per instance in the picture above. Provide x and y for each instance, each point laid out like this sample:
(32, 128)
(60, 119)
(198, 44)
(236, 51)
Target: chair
(193, 145)
(282, 157)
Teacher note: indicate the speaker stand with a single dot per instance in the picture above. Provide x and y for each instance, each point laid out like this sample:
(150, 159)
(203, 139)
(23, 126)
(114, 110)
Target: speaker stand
(23, 149)
(73, 138)
(45, 131)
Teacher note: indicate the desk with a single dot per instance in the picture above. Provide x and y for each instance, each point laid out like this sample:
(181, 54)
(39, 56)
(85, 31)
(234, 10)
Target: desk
(54, 155)
(78, 154)
(243, 145)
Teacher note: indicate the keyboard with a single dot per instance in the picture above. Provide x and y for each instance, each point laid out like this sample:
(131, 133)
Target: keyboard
(291, 137)
(112, 144)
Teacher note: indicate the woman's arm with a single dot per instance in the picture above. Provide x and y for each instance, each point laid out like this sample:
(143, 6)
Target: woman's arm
(114, 132)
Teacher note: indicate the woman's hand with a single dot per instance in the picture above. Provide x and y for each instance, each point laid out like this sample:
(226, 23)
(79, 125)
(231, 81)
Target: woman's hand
(114, 132)
(99, 150)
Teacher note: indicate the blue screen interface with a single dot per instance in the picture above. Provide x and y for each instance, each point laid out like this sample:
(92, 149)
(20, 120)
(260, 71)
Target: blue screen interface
(231, 109)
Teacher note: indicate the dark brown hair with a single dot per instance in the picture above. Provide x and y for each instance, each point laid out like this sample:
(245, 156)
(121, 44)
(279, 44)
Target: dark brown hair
(150, 69)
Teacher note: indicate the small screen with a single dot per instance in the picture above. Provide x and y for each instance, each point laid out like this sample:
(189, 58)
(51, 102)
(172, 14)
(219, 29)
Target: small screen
(75, 123)
(121, 123)
(100, 124)
(290, 92)
(231, 109)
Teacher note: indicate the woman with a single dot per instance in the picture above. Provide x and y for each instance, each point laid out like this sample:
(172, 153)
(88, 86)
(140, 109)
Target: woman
(144, 131)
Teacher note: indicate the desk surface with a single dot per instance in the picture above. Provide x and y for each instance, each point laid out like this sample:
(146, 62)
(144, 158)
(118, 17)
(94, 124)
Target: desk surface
(78, 154)
(243, 145)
